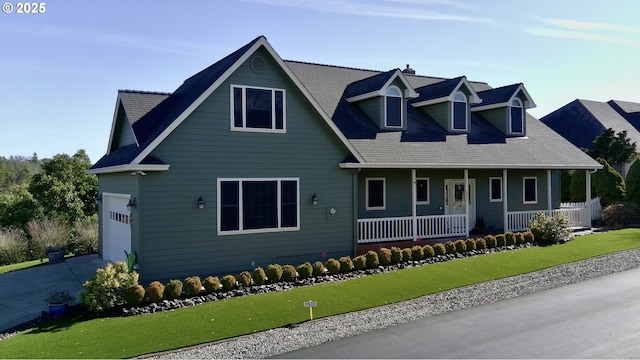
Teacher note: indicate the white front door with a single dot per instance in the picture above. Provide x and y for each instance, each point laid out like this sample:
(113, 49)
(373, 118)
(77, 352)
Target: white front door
(116, 221)
(455, 195)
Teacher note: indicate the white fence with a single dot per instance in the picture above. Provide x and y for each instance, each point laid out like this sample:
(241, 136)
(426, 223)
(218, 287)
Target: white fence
(519, 220)
(596, 207)
(401, 228)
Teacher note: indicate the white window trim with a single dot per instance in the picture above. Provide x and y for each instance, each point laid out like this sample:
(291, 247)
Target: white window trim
(386, 120)
(491, 199)
(428, 191)
(511, 118)
(244, 109)
(524, 181)
(466, 112)
(240, 212)
(384, 194)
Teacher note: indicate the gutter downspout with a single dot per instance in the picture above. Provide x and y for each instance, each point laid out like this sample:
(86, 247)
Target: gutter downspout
(354, 200)
(588, 195)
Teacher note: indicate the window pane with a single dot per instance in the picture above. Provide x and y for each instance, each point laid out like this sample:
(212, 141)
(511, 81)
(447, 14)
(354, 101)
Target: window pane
(496, 189)
(259, 108)
(289, 203)
(394, 111)
(516, 120)
(260, 204)
(530, 190)
(460, 116)
(279, 110)
(422, 190)
(376, 193)
(230, 206)
(237, 107)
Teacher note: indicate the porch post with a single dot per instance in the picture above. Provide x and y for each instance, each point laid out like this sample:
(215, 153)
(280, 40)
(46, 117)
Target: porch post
(588, 197)
(505, 210)
(549, 205)
(414, 206)
(467, 197)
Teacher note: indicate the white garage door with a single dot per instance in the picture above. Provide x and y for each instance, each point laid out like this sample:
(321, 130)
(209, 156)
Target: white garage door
(116, 219)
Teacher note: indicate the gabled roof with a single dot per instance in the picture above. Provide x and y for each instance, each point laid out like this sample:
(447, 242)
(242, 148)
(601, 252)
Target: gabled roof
(444, 91)
(138, 103)
(376, 85)
(502, 96)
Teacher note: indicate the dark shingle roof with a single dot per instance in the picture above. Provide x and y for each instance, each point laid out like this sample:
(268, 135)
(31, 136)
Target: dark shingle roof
(364, 86)
(438, 90)
(137, 103)
(498, 95)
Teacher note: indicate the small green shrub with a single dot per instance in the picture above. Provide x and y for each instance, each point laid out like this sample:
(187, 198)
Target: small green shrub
(173, 290)
(406, 254)
(192, 286)
(461, 246)
(318, 268)
(289, 273)
(372, 259)
(481, 244)
(384, 256)
(360, 262)
(510, 238)
(155, 292)
(491, 241)
(106, 288)
(396, 255)
(528, 236)
(549, 230)
(259, 276)
(274, 273)
(519, 238)
(439, 249)
(134, 295)
(450, 247)
(346, 265)
(228, 282)
(501, 240)
(244, 279)
(212, 284)
(333, 266)
(471, 244)
(427, 250)
(305, 271)
(417, 253)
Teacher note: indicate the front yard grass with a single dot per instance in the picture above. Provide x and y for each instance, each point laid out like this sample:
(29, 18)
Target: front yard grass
(138, 335)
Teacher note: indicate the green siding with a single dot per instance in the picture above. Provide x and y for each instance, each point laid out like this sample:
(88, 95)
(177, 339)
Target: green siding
(498, 118)
(441, 113)
(122, 132)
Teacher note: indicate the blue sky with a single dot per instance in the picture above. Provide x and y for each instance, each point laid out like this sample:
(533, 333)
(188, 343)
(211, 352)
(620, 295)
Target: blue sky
(60, 71)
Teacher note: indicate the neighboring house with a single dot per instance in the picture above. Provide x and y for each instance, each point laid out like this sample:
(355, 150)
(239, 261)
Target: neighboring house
(581, 121)
(256, 160)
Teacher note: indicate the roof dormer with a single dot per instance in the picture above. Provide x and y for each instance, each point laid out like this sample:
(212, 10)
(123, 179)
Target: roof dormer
(506, 108)
(448, 103)
(383, 98)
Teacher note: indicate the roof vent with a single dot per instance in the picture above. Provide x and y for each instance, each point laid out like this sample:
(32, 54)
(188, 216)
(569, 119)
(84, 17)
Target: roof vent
(409, 71)
(258, 64)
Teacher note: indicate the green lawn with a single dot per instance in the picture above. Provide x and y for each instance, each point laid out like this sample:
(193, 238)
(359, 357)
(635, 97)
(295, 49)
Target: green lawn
(132, 336)
(22, 265)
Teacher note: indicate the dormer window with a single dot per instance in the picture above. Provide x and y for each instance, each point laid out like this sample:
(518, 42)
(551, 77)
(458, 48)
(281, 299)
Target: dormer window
(459, 111)
(516, 121)
(393, 107)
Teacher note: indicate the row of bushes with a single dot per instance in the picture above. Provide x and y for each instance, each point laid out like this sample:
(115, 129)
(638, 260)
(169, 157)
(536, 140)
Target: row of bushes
(18, 246)
(114, 284)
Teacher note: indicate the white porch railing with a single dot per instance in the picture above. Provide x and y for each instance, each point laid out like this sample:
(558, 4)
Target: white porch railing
(596, 207)
(401, 228)
(519, 220)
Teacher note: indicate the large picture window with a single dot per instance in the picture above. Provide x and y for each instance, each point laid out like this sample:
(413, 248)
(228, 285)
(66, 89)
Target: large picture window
(530, 190)
(257, 109)
(258, 205)
(376, 194)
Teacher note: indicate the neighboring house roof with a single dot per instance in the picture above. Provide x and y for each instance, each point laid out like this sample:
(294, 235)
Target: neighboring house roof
(581, 121)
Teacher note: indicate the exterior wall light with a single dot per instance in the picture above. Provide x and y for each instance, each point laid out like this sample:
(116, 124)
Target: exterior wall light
(201, 203)
(131, 204)
(98, 199)
(314, 199)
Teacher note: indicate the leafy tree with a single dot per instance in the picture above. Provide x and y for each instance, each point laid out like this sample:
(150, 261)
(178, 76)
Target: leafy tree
(17, 207)
(565, 185)
(608, 184)
(17, 170)
(578, 186)
(616, 149)
(63, 189)
(633, 183)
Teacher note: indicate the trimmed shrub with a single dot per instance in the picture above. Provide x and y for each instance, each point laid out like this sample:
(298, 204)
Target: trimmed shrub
(406, 254)
(396, 255)
(212, 284)
(461, 246)
(192, 286)
(618, 215)
(346, 265)
(528, 236)
(333, 266)
(491, 241)
(155, 291)
(427, 251)
(106, 288)
(274, 273)
(384, 256)
(549, 230)
(318, 268)
(510, 238)
(372, 259)
(173, 290)
(450, 247)
(519, 238)
(134, 295)
(501, 240)
(439, 249)
(608, 184)
(471, 244)
(481, 244)
(228, 282)
(305, 270)
(417, 253)
(259, 277)
(244, 279)
(289, 273)
(360, 262)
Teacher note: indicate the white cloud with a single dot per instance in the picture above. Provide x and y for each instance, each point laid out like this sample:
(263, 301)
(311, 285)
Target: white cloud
(581, 30)
(581, 25)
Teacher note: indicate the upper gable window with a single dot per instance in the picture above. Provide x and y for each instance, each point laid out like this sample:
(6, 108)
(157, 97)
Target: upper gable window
(460, 111)
(258, 109)
(516, 121)
(393, 107)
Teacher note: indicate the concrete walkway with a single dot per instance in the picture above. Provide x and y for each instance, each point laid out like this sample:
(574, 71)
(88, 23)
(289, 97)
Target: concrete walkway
(22, 292)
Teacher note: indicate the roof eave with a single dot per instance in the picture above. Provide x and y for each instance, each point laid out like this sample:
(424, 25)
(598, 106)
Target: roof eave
(468, 166)
(128, 168)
